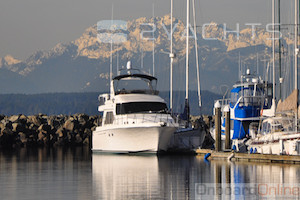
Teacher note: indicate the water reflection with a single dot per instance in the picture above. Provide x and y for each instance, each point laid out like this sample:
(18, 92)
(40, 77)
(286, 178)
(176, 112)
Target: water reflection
(78, 174)
(46, 174)
(144, 177)
(176, 177)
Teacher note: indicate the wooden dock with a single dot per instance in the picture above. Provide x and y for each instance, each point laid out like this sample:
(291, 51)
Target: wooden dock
(245, 157)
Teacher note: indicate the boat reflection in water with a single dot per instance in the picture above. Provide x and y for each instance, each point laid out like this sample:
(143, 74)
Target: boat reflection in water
(124, 177)
(177, 177)
(144, 177)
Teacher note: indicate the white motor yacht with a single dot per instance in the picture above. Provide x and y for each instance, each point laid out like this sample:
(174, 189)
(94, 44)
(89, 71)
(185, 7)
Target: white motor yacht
(134, 117)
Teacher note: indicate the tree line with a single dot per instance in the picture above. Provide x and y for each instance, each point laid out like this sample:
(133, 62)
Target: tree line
(72, 103)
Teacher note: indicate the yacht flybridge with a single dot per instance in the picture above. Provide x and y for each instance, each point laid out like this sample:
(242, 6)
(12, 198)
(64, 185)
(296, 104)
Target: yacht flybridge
(135, 118)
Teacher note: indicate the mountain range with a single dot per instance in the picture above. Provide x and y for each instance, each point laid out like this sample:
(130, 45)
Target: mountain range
(83, 64)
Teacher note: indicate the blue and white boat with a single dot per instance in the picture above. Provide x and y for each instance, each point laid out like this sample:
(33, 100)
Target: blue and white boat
(251, 98)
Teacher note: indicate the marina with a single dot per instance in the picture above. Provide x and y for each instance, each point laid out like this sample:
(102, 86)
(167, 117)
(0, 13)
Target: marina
(255, 119)
(144, 105)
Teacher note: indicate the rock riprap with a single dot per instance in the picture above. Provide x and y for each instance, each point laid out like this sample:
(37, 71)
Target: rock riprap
(43, 130)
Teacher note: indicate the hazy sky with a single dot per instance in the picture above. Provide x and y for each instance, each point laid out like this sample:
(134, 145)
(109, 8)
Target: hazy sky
(30, 25)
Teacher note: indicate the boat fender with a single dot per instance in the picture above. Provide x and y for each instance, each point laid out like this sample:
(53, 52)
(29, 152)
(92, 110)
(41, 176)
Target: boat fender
(255, 150)
(234, 148)
(251, 150)
(207, 156)
(230, 157)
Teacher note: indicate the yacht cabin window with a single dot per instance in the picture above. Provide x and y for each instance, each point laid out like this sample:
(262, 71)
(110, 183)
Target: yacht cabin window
(234, 98)
(141, 107)
(99, 122)
(109, 118)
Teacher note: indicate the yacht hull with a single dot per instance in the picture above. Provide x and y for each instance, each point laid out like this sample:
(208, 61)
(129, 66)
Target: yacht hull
(132, 139)
(279, 143)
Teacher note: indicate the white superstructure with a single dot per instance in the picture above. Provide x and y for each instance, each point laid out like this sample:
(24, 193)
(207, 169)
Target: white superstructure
(135, 118)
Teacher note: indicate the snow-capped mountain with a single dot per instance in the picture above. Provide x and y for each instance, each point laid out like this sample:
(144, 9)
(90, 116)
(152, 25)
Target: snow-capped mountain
(83, 64)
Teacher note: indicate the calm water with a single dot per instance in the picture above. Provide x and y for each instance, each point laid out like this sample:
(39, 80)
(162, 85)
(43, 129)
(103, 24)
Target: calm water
(78, 174)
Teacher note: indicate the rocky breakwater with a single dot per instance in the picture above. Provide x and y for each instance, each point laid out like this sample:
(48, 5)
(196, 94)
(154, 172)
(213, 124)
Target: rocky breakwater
(43, 130)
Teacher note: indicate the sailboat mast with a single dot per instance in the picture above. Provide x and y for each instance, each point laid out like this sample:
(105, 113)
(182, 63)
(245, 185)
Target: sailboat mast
(197, 60)
(187, 107)
(296, 60)
(111, 47)
(153, 44)
(273, 48)
(171, 60)
(187, 50)
(279, 52)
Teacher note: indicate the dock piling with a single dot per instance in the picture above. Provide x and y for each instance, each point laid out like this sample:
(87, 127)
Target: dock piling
(227, 130)
(218, 128)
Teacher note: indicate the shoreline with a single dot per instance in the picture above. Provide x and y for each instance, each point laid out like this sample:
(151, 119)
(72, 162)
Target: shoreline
(43, 130)
(18, 131)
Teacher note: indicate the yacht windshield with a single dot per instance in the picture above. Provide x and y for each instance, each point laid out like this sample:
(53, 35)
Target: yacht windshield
(135, 84)
(141, 107)
(250, 96)
(234, 98)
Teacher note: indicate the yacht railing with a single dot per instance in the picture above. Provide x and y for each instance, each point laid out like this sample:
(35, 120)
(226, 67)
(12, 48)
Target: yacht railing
(244, 100)
(142, 118)
(123, 91)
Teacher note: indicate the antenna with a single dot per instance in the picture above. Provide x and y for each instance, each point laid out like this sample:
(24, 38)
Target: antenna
(240, 75)
(118, 70)
(267, 73)
(128, 65)
(257, 64)
(142, 56)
